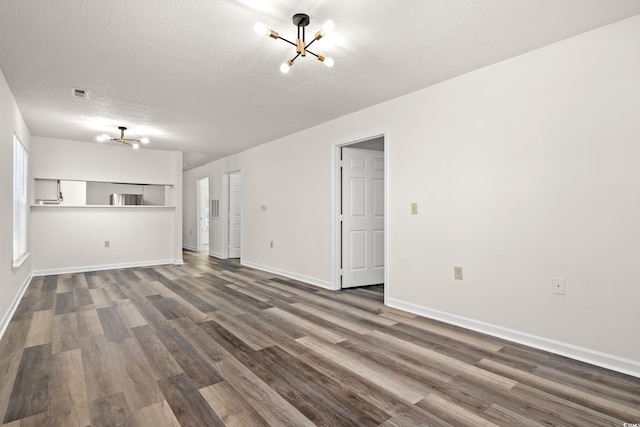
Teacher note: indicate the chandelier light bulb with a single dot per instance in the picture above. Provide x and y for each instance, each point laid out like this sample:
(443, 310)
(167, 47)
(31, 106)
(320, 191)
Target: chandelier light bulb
(145, 140)
(135, 145)
(328, 26)
(259, 28)
(328, 62)
(284, 68)
(103, 138)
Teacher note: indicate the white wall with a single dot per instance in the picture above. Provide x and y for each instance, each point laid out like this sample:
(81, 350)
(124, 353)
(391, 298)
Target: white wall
(12, 281)
(91, 161)
(72, 238)
(523, 170)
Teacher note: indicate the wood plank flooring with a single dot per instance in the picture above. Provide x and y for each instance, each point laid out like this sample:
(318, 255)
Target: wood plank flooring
(213, 343)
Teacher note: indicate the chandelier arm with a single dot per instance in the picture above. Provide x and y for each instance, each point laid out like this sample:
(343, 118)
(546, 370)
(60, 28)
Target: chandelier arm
(311, 42)
(290, 42)
(308, 51)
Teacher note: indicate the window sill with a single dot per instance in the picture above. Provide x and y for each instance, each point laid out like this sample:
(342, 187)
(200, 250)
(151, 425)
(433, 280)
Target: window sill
(18, 263)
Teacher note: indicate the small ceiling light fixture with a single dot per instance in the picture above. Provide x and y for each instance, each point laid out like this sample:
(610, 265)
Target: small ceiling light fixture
(131, 142)
(300, 20)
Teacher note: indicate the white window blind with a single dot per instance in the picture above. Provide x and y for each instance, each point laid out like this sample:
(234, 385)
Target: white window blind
(19, 200)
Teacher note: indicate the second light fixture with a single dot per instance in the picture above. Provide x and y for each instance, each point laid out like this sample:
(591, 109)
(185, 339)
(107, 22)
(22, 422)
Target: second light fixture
(300, 20)
(131, 142)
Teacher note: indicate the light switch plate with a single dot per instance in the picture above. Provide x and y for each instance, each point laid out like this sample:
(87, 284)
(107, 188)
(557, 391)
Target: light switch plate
(414, 208)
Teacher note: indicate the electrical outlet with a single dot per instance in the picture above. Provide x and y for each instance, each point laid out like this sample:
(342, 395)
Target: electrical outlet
(263, 208)
(107, 244)
(414, 208)
(271, 244)
(558, 285)
(457, 273)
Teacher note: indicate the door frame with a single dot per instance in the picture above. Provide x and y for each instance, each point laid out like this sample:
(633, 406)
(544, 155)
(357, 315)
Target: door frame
(336, 203)
(199, 209)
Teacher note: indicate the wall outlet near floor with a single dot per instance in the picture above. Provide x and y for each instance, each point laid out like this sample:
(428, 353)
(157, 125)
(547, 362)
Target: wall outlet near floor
(107, 244)
(558, 285)
(457, 273)
(271, 244)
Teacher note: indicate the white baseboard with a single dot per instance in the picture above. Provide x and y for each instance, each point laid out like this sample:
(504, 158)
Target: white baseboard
(189, 248)
(594, 357)
(4, 323)
(85, 268)
(310, 280)
(215, 254)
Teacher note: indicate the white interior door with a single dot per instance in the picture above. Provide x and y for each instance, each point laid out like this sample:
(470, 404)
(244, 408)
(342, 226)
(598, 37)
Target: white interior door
(203, 214)
(362, 217)
(235, 209)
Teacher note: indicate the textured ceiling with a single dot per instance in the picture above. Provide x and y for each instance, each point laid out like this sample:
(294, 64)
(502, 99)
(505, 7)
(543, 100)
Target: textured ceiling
(194, 77)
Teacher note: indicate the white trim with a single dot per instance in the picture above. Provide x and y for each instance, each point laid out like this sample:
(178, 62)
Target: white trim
(189, 247)
(307, 279)
(594, 357)
(4, 324)
(17, 264)
(215, 254)
(83, 269)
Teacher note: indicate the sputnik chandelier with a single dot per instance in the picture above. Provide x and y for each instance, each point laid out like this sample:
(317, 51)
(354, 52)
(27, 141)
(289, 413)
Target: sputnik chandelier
(300, 20)
(131, 142)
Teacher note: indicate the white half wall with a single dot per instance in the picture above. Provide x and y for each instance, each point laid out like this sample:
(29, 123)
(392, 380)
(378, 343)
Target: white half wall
(12, 280)
(73, 238)
(522, 171)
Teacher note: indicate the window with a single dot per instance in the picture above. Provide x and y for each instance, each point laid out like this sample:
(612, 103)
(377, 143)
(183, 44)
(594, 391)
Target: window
(19, 202)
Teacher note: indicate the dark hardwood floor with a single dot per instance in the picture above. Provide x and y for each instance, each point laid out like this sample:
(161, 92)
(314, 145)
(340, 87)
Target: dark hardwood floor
(213, 343)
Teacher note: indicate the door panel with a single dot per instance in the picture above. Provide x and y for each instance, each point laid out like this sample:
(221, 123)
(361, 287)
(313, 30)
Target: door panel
(358, 245)
(378, 198)
(235, 218)
(363, 217)
(358, 199)
(378, 249)
(203, 194)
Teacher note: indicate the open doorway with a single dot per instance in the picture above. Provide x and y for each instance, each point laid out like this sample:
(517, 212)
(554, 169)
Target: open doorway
(202, 240)
(360, 202)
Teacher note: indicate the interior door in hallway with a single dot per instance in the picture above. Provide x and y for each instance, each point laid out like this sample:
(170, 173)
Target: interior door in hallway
(203, 213)
(235, 214)
(362, 217)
